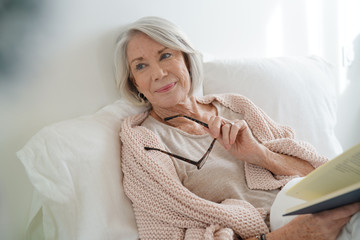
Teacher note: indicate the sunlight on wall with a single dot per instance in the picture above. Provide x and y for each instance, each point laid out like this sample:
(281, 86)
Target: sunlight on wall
(287, 28)
(314, 23)
(327, 29)
(344, 50)
(274, 33)
(348, 116)
(349, 30)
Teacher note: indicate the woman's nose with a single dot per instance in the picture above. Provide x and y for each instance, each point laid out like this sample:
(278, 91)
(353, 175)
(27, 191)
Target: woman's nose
(158, 72)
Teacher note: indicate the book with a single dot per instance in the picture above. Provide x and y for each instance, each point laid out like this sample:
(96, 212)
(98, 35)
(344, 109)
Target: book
(334, 184)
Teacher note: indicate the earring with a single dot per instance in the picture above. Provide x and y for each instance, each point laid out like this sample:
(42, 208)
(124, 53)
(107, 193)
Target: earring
(141, 96)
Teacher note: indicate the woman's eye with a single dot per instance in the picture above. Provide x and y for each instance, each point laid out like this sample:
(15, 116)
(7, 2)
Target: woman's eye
(139, 66)
(165, 55)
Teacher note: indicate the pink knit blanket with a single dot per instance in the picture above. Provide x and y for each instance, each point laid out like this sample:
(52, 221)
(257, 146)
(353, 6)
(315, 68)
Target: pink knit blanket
(165, 209)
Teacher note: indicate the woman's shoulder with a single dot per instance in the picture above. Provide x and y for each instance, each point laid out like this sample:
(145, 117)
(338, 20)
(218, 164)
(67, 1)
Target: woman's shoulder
(228, 100)
(221, 96)
(134, 120)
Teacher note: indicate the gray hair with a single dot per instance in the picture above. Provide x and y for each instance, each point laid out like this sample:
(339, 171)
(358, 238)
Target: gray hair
(165, 33)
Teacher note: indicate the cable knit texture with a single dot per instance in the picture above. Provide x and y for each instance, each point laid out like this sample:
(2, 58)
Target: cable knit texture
(165, 209)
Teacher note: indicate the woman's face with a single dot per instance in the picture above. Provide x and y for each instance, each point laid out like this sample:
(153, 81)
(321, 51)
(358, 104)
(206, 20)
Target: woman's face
(160, 73)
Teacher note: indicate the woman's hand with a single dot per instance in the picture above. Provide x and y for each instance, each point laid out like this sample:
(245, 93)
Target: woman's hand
(320, 226)
(237, 137)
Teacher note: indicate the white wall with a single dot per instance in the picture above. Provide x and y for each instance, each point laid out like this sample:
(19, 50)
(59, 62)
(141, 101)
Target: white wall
(348, 127)
(63, 50)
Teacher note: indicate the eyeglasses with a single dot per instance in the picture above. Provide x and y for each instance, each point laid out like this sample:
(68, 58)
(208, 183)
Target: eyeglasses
(200, 163)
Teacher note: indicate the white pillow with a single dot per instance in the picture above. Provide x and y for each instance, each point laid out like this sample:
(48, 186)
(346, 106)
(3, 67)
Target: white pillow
(295, 91)
(74, 165)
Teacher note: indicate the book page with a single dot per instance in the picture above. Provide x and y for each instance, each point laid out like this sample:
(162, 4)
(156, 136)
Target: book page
(338, 173)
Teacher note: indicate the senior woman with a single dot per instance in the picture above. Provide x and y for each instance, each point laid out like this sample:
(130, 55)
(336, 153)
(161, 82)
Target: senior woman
(203, 167)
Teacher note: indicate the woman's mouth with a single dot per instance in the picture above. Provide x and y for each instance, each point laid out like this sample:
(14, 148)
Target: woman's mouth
(166, 88)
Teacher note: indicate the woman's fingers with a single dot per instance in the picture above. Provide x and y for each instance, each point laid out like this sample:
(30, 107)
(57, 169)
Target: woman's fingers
(225, 130)
(225, 133)
(236, 137)
(341, 212)
(236, 126)
(229, 132)
(215, 126)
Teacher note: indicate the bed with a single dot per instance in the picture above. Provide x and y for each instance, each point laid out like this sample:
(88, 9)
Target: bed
(74, 165)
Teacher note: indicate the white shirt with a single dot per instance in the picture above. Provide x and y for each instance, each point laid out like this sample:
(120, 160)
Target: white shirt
(222, 176)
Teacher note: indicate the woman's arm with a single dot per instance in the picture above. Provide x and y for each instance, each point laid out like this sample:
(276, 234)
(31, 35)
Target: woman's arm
(280, 164)
(237, 138)
(321, 226)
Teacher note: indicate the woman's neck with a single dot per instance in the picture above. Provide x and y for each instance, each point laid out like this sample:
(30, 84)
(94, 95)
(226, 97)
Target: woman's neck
(190, 108)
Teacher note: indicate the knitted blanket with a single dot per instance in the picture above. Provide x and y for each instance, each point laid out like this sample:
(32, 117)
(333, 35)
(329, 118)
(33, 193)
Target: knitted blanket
(165, 209)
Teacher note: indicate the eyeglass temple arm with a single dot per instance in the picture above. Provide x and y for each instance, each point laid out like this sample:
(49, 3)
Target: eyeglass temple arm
(173, 155)
(198, 164)
(193, 119)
